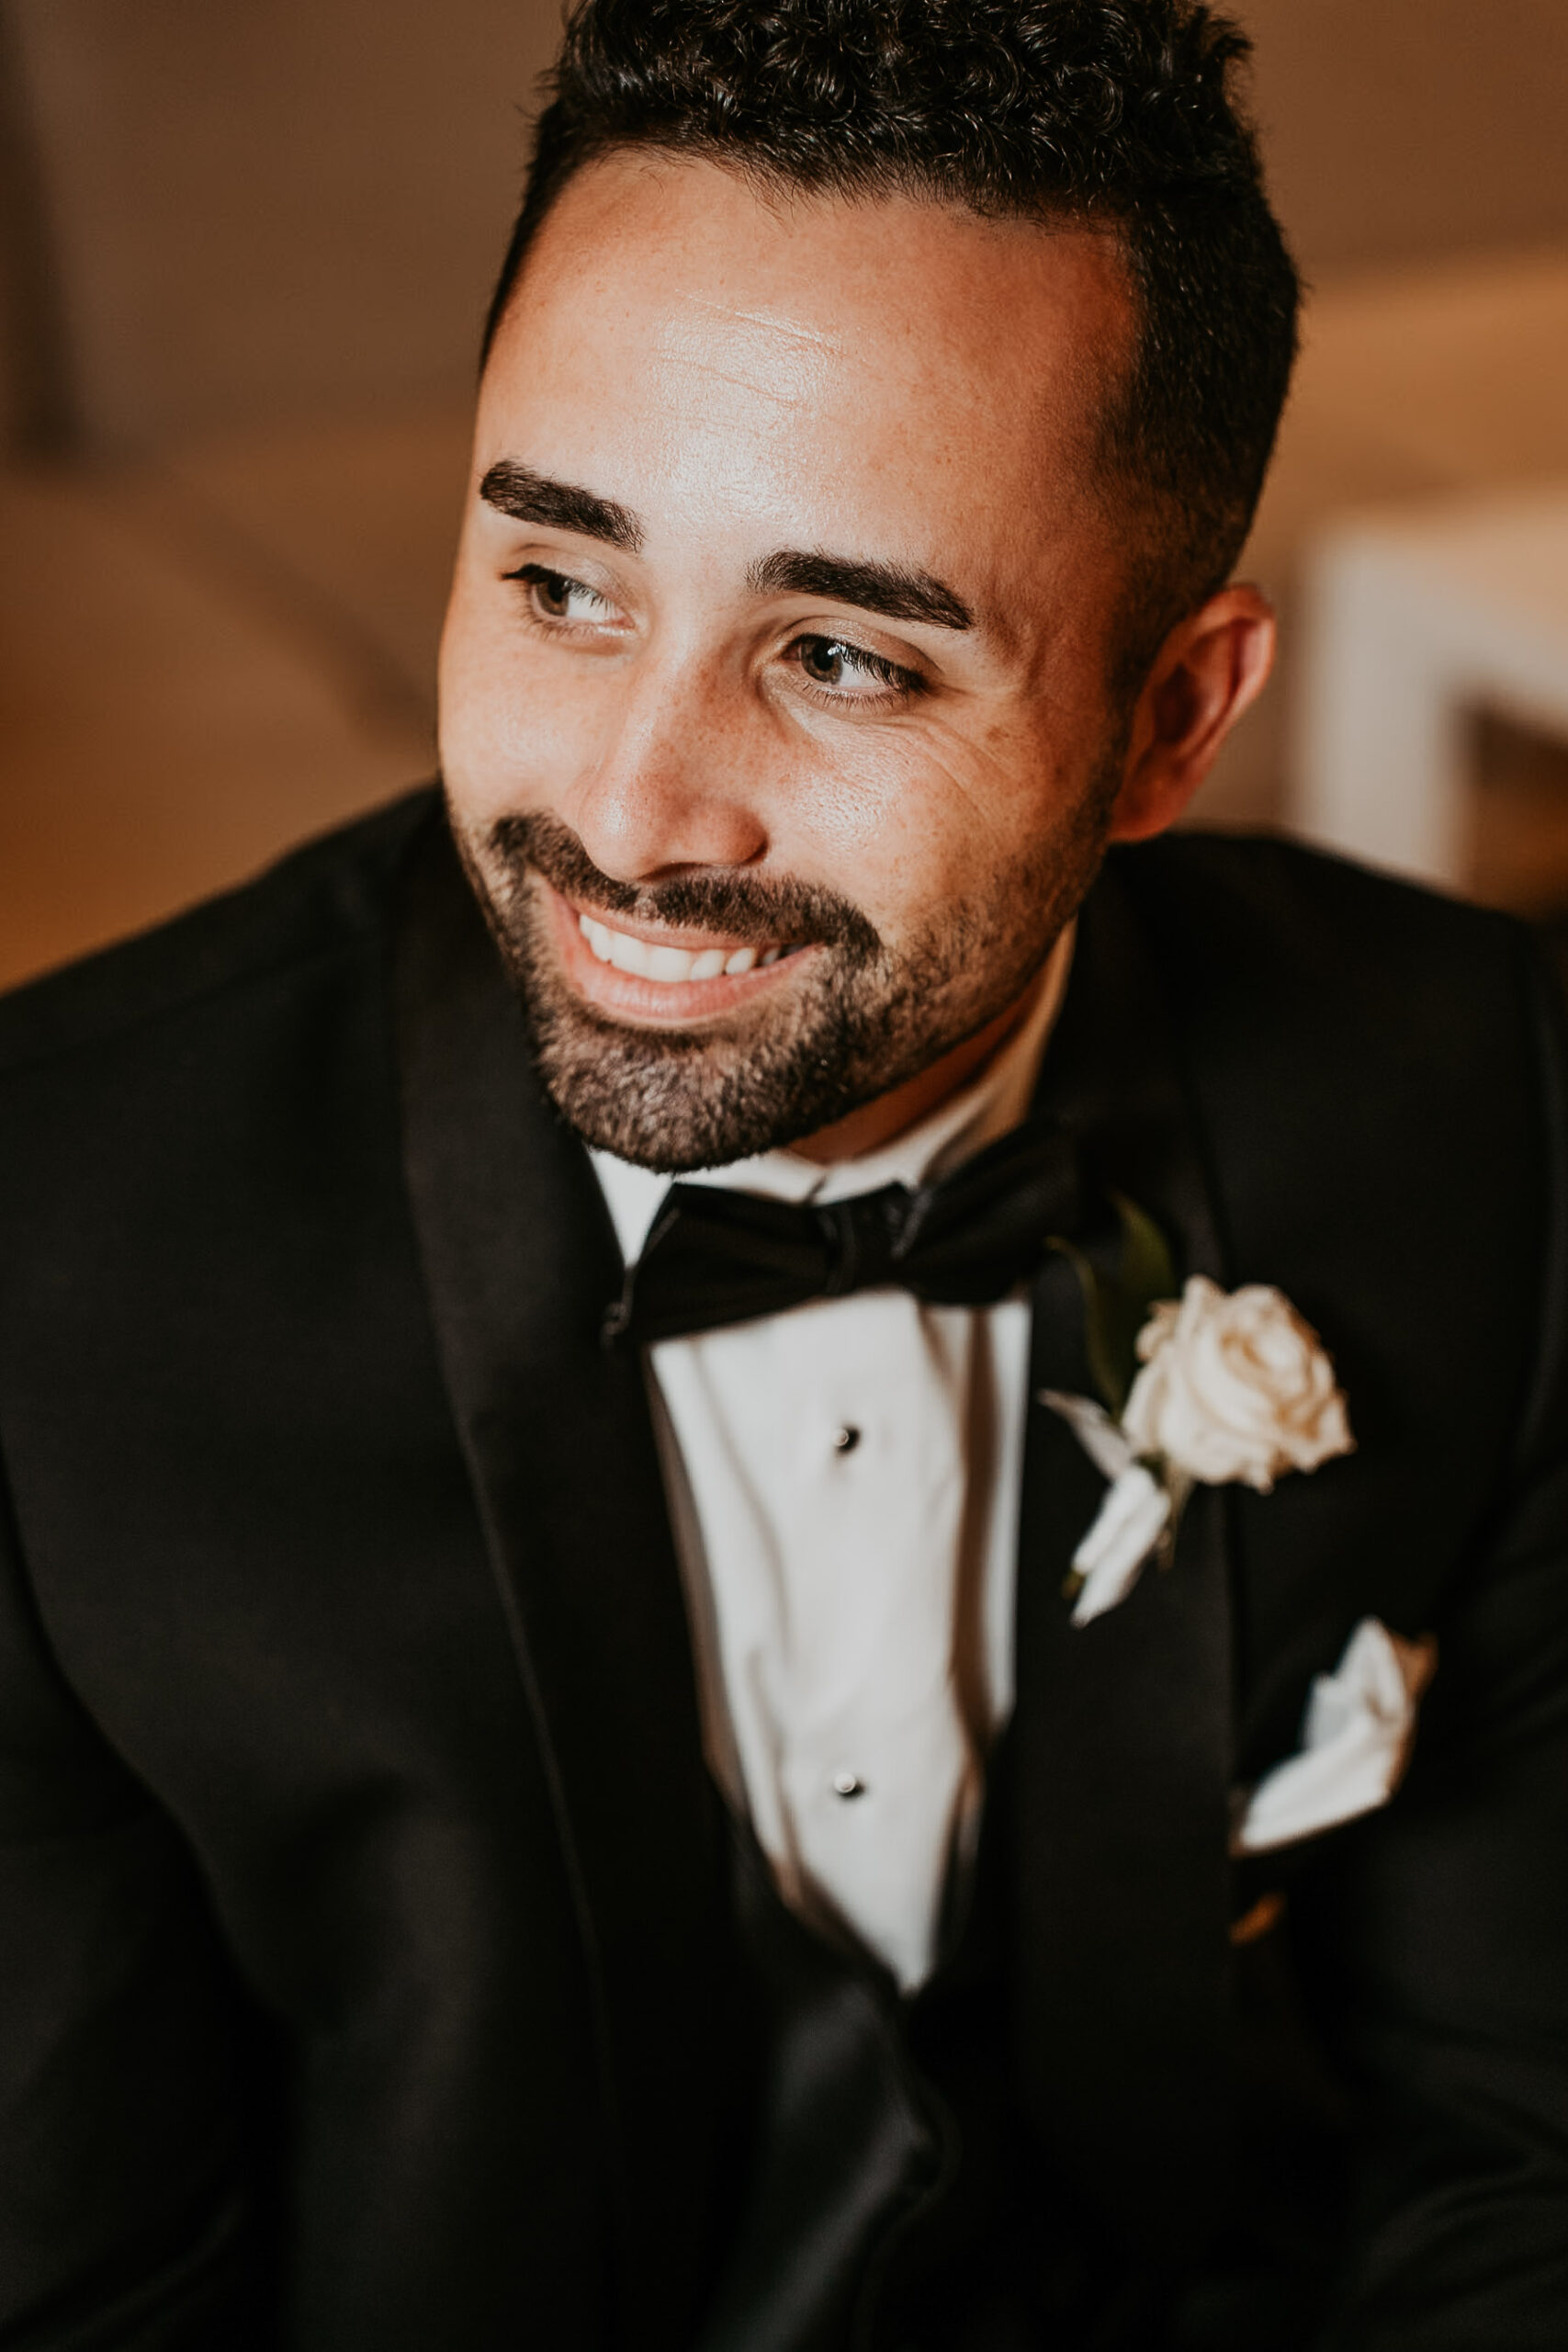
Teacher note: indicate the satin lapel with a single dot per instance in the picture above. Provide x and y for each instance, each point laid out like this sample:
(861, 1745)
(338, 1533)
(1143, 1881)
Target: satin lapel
(520, 1261)
(1123, 1728)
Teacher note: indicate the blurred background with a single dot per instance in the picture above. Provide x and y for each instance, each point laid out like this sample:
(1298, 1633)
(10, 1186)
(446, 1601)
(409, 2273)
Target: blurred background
(244, 252)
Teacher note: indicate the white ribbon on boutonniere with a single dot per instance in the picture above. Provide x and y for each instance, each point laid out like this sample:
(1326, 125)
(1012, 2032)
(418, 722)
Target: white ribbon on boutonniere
(1233, 1386)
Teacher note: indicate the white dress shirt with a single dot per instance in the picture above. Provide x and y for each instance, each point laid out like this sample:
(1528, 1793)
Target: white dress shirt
(844, 1482)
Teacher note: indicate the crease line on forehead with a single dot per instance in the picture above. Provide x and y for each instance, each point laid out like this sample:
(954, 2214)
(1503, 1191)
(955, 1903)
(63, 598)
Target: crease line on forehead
(790, 327)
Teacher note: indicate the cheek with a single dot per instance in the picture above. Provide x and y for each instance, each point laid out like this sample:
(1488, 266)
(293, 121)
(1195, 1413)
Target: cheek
(507, 742)
(868, 820)
(936, 821)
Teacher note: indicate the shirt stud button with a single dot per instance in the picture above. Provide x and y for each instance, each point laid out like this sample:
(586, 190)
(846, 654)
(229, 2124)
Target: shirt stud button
(845, 1439)
(848, 1784)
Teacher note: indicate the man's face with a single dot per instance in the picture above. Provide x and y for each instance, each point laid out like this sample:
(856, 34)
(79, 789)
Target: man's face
(774, 709)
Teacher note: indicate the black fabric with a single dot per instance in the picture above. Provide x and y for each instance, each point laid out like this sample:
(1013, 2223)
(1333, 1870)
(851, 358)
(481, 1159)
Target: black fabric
(716, 1257)
(293, 1983)
(897, 2198)
(560, 1445)
(1006, 2254)
(888, 2161)
(367, 1967)
(1124, 1729)
(845, 2146)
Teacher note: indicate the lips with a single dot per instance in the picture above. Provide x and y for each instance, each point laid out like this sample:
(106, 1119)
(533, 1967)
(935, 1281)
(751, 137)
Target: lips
(665, 981)
(669, 966)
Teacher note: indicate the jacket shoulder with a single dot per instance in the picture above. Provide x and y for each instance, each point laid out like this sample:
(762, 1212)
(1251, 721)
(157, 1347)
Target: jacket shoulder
(314, 903)
(1284, 892)
(1372, 966)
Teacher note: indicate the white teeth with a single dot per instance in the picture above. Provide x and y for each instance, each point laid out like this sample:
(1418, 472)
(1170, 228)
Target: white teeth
(596, 936)
(670, 966)
(670, 963)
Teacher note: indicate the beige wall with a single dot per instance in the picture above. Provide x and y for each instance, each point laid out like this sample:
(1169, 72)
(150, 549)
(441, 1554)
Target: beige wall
(1407, 129)
(270, 207)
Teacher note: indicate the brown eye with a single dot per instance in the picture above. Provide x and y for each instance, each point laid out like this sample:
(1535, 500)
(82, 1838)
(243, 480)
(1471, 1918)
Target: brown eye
(823, 659)
(552, 592)
(556, 596)
(850, 672)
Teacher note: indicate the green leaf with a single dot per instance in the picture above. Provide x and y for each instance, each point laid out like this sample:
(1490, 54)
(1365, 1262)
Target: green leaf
(1148, 1271)
(1145, 1274)
(1100, 1312)
(1115, 1311)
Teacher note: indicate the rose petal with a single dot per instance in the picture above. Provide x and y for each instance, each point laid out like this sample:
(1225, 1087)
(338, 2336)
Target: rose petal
(1235, 1386)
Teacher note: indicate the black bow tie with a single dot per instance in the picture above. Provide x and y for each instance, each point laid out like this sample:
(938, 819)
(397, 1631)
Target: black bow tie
(714, 1256)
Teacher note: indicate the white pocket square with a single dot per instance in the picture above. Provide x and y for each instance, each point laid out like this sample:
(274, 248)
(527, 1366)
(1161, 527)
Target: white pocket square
(1357, 1737)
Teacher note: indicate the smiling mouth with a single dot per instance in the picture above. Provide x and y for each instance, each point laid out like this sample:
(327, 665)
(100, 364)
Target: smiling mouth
(641, 960)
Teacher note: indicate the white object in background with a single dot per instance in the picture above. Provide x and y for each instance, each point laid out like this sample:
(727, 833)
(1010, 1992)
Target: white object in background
(1414, 618)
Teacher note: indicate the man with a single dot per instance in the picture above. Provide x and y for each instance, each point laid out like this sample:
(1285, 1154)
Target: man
(557, 1790)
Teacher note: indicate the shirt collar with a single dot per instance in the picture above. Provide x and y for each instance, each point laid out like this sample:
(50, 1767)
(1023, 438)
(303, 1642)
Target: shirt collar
(986, 1107)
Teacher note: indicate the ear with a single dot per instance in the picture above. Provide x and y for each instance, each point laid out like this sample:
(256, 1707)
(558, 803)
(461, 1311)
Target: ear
(1212, 667)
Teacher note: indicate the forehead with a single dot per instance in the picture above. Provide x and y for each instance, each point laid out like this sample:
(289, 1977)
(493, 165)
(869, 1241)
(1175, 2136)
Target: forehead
(678, 331)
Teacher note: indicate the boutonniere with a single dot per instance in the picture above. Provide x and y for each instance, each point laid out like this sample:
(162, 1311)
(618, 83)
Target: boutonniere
(1213, 1388)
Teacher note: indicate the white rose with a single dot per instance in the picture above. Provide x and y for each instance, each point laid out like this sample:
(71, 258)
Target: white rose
(1234, 1386)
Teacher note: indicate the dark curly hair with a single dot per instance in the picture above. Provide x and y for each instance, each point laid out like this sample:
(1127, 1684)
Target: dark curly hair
(1117, 111)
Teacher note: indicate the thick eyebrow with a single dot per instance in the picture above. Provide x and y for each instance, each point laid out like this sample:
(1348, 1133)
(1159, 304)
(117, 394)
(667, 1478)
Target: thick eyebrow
(891, 589)
(529, 497)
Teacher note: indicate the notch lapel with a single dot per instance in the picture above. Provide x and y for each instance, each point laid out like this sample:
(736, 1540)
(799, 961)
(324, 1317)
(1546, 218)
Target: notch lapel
(1123, 1728)
(520, 1262)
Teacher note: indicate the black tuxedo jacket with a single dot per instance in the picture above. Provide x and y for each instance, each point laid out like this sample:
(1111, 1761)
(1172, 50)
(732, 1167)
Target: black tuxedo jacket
(365, 1959)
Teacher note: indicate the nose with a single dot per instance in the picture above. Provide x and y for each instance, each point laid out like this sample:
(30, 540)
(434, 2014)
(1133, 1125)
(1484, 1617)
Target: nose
(667, 791)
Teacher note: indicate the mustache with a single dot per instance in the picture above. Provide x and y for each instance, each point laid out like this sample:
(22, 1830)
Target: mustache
(757, 911)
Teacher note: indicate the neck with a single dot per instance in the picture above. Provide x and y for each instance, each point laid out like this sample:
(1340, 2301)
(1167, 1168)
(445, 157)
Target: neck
(884, 1120)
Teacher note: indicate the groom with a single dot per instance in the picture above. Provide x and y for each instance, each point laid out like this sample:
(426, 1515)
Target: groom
(562, 1780)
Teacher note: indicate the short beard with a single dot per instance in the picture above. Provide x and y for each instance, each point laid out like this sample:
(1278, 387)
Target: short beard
(859, 1022)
